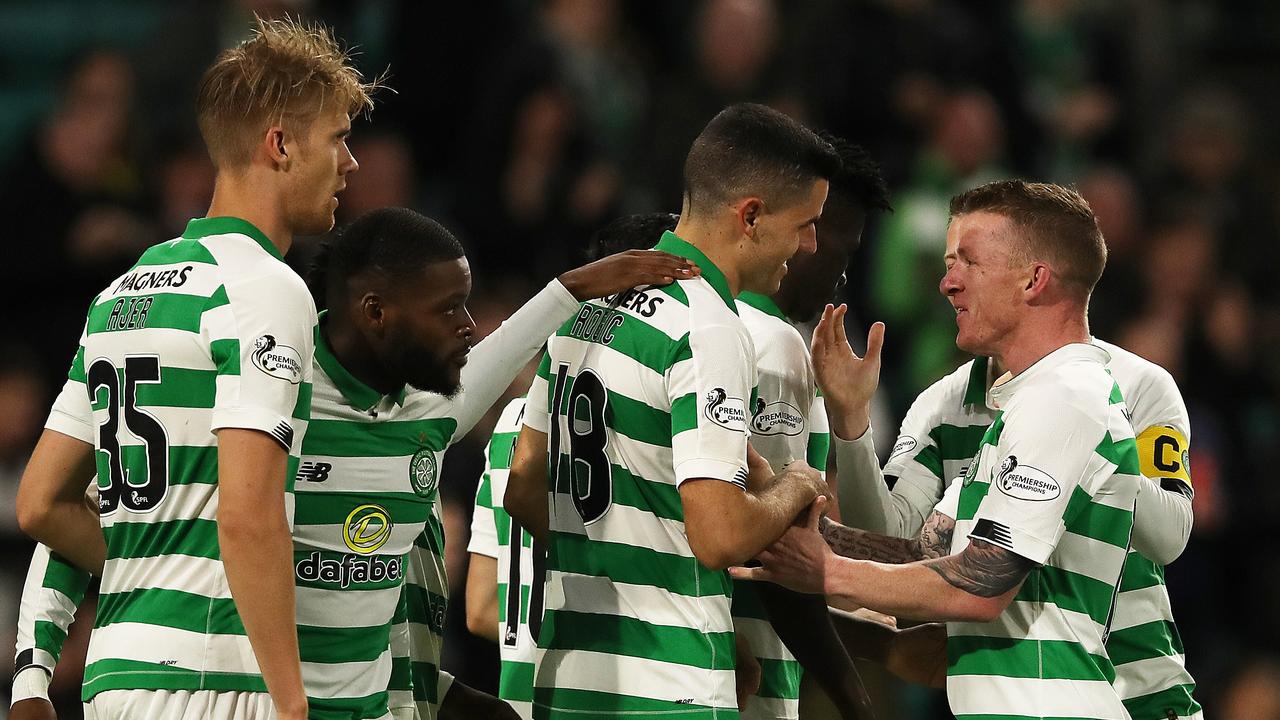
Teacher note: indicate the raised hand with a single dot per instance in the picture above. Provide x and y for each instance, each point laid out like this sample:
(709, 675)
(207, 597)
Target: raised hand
(847, 381)
(626, 270)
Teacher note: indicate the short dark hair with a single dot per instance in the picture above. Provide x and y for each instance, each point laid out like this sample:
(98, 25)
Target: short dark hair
(750, 149)
(630, 232)
(395, 241)
(860, 181)
(1057, 225)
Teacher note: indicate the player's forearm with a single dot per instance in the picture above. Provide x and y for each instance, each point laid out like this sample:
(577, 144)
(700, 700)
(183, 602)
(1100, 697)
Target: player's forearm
(71, 529)
(862, 638)
(759, 518)
(462, 702)
(803, 624)
(911, 591)
(482, 597)
(257, 552)
(1161, 522)
(51, 504)
(862, 545)
(496, 360)
(525, 499)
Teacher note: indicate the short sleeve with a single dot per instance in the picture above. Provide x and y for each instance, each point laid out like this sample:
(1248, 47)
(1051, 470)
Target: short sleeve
(484, 532)
(262, 340)
(72, 413)
(781, 417)
(1046, 450)
(1163, 430)
(711, 390)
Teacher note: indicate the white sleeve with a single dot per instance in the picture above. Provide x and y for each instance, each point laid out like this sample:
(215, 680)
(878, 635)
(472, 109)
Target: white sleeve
(263, 343)
(53, 590)
(1162, 517)
(1161, 522)
(863, 495)
(710, 392)
(496, 361)
(949, 505)
(1047, 446)
(72, 413)
(484, 531)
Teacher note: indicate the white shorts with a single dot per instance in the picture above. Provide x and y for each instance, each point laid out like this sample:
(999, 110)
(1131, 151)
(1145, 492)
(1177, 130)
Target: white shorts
(179, 705)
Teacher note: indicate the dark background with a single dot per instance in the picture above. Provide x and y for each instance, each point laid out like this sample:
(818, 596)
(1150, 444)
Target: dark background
(525, 125)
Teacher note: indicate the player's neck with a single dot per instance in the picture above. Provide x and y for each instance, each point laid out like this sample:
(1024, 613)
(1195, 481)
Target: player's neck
(719, 247)
(352, 352)
(238, 196)
(1037, 337)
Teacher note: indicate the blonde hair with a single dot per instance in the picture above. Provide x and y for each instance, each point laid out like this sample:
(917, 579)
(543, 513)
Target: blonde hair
(286, 73)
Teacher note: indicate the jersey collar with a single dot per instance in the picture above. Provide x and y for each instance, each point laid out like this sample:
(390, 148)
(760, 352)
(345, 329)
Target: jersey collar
(1004, 388)
(979, 382)
(204, 227)
(360, 396)
(764, 304)
(670, 242)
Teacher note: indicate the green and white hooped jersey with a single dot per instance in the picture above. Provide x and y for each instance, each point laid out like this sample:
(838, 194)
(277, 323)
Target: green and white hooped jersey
(1055, 481)
(53, 590)
(368, 535)
(789, 422)
(943, 430)
(365, 491)
(341, 536)
(207, 331)
(521, 566)
(649, 389)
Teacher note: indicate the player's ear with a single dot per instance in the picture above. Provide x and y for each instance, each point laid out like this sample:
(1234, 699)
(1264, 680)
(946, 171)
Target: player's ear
(749, 211)
(1037, 279)
(372, 312)
(273, 144)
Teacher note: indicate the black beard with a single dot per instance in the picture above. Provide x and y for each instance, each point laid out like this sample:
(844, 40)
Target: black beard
(423, 370)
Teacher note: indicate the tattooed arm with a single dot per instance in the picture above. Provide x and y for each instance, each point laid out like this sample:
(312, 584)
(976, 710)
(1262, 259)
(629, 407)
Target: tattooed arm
(934, 541)
(983, 569)
(975, 585)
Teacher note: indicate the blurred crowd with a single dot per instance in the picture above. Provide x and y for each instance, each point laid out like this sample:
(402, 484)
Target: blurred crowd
(523, 125)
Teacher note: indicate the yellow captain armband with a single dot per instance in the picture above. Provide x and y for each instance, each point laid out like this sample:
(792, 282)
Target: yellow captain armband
(1165, 454)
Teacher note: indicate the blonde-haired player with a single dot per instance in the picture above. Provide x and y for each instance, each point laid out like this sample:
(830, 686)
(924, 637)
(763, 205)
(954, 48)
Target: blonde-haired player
(190, 395)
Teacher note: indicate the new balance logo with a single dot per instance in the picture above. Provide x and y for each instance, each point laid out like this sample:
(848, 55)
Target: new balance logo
(313, 472)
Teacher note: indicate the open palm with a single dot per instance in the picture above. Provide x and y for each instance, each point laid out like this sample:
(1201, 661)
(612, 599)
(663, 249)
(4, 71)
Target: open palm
(847, 381)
